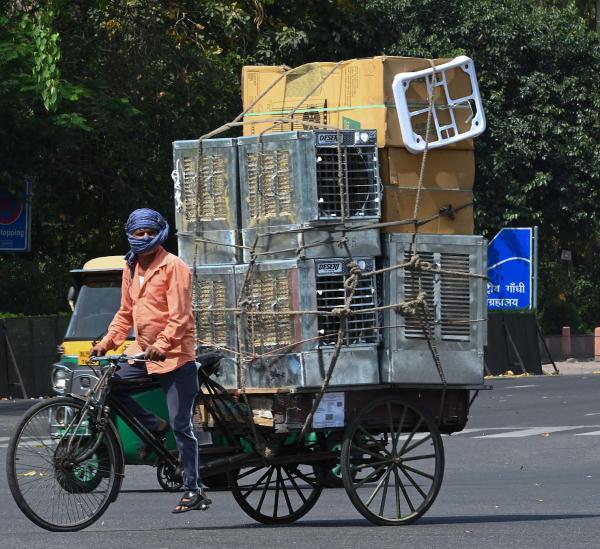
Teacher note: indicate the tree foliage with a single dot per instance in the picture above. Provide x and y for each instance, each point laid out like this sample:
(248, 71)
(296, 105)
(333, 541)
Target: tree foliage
(92, 93)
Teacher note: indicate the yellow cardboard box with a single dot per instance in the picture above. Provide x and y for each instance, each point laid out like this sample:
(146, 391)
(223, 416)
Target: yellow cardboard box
(444, 168)
(455, 209)
(350, 95)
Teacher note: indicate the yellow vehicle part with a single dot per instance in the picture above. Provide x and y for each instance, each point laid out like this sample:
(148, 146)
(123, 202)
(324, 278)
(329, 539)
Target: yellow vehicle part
(81, 350)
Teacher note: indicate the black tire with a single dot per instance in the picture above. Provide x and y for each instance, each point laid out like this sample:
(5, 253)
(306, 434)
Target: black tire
(277, 494)
(169, 480)
(374, 443)
(40, 477)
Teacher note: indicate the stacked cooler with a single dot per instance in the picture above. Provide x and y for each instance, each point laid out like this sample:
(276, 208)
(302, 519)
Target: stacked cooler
(292, 210)
(456, 310)
(208, 234)
(289, 216)
(358, 94)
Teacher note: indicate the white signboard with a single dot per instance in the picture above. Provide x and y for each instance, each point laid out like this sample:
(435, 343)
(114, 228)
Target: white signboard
(330, 412)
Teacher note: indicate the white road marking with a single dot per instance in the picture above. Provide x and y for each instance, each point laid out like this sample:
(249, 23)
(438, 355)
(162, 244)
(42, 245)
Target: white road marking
(519, 386)
(416, 436)
(532, 431)
(590, 434)
(593, 414)
(469, 431)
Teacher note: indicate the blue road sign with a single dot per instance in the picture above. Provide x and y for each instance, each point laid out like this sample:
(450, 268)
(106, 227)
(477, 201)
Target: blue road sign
(15, 220)
(511, 265)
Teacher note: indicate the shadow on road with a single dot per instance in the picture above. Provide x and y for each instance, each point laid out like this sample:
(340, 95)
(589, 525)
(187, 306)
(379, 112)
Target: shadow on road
(462, 520)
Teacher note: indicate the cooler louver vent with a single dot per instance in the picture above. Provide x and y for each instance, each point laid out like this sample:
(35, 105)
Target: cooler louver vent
(210, 300)
(447, 297)
(269, 185)
(205, 190)
(455, 298)
(269, 292)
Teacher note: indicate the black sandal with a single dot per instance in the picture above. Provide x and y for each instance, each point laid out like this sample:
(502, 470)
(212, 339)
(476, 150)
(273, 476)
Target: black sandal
(191, 501)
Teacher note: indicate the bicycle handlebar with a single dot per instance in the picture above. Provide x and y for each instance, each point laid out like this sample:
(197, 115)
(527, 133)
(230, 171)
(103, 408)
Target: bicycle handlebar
(117, 358)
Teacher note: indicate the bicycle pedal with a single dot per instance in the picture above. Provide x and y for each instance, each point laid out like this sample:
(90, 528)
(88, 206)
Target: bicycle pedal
(205, 505)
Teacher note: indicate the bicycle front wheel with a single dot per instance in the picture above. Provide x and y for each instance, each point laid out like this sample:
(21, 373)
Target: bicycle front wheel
(63, 472)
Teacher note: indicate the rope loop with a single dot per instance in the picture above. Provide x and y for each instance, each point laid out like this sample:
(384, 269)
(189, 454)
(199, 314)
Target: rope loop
(340, 312)
(410, 308)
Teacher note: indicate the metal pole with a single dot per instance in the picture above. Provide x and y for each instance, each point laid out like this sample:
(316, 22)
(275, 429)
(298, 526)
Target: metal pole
(14, 360)
(535, 265)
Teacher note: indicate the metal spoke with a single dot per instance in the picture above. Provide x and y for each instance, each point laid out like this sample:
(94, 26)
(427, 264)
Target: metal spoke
(371, 464)
(418, 443)
(262, 497)
(384, 495)
(373, 454)
(276, 504)
(308, 481)
(361, 428)
(399, 480)
(374, 473)
(378, 487)
(410, 437)
(396, 485)
(285, 494)
(255, 484)
(396, 437)
(391, 419)
(414, 458)
(290, 476)
(249, 472)
(417, 472)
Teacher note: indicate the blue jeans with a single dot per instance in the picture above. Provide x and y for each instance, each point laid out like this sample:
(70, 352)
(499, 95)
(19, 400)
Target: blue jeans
(180, 387)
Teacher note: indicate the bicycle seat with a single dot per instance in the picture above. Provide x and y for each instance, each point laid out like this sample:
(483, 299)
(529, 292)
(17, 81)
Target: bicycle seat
(209, 362)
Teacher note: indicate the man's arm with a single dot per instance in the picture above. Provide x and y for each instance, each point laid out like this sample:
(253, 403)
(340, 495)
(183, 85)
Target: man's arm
(179, 301)
(121, 324)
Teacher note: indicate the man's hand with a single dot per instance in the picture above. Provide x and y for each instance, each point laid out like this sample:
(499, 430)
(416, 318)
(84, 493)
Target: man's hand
(98, 350)
(154, 353)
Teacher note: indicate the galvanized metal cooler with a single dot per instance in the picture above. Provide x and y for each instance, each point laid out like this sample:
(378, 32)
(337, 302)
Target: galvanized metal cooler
(283, 348)
(291, 181)
(456, 305)
(207, 213)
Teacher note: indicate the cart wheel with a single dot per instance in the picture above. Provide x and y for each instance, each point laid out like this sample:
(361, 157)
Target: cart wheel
(400, 449)
(170, 480)
(276, 494)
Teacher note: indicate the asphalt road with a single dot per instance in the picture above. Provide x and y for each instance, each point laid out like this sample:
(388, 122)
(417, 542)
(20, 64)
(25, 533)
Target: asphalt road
(524, 474)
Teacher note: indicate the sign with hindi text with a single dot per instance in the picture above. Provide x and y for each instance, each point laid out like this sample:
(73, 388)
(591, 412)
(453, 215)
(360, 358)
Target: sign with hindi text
(511, 265)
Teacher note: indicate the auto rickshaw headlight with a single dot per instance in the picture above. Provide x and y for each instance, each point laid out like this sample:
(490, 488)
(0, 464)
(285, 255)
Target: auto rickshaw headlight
(59, 379)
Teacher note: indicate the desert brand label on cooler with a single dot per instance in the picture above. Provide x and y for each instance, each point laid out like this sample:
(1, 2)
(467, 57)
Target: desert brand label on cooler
(330, 267)
(324, 139)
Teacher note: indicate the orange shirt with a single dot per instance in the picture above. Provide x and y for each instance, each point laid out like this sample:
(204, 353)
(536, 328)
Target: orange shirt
(160, 312)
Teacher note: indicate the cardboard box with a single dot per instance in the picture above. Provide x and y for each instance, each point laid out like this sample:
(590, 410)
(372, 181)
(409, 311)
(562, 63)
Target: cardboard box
(444, 168)
(456, 209)
(350, 95)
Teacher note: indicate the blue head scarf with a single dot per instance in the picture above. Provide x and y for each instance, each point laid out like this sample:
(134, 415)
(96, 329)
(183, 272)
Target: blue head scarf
(144, 218)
